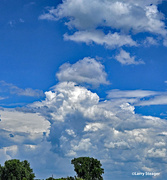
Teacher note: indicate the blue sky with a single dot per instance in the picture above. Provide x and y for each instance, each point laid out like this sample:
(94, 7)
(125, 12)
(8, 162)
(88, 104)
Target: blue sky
(84, 78)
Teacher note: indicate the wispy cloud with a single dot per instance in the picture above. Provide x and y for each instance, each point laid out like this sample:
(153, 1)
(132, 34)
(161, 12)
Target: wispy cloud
(150, 41)
(157, 100)
(13, 23)
(12, 89)
(51, 15)
(124, 58)
(116, 93)
(109, 40)
(139, 97)
(1, 98)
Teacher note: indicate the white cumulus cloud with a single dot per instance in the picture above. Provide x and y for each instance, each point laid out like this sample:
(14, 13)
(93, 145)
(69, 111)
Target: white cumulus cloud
(124, 16)
(87, 70)
(124, 58)
(73, 121)
(16, 124)
(109, 40)
(82, 125)
(112, 132)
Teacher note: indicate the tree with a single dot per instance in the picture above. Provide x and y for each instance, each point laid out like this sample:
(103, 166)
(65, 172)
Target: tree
(50, 178)
(88, 168)
(68, 178)
(1, 172)
(16, 170)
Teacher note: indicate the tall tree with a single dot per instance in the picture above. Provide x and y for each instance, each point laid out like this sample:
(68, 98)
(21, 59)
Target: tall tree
(16, 170)
(88, 168)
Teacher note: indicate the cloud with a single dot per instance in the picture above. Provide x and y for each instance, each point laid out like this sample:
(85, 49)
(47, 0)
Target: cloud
(82, 125)
(50, 15)
(23, 136)
(157, 100)
(94, 126)
(15, 22)
(125, 58)
(138, 97)
(150, 41)
(20, 124)
(117, 145)
(65, 98)
(109, 40)
(83, 145)
(165, 42)
(87, 71)
(12, 23)
(21, 20)
(119, 15)
(115, 14)
(72, 122)
(12, 89)
(157, 153)
(2, 98)
(18, 129)
(70, 132)
(7, 152)
(116, 93)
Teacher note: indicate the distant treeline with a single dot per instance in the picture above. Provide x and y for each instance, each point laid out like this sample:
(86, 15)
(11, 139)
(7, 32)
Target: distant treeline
(86, 168)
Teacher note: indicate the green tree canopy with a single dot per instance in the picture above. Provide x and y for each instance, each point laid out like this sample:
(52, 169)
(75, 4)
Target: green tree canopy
(88, 168)
(68, 178)
(16, 170)
(50, 178)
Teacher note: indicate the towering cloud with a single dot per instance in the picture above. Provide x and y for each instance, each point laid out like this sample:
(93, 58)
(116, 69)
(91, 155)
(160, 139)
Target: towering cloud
(82, 125)
(72, 121)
